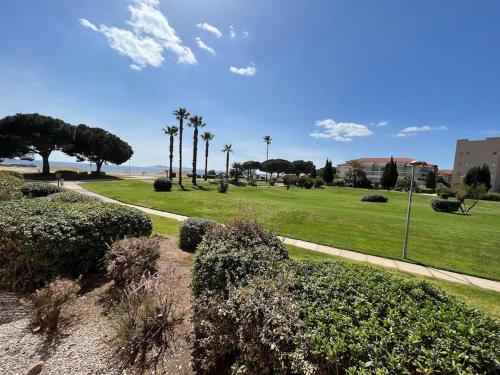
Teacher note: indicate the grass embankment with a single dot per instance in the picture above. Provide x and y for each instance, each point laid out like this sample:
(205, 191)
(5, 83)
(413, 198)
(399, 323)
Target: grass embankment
(337, 217)
(482, 299)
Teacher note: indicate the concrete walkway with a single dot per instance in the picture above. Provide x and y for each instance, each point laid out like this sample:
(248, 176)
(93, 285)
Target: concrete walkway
(352, 255)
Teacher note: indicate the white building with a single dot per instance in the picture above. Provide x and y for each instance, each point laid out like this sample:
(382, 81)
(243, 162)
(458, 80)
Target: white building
(374, 167)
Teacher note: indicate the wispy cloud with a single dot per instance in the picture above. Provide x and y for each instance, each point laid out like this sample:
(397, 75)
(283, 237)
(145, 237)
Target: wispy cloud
(202, 45)
(149, 36)
(246, 33)
(211, 29)
(340, 131)
(381, 124)
(248, 71)
(411, 131)
(232, 33)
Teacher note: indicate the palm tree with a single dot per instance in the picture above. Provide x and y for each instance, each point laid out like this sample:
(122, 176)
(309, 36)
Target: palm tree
(268, 140)
(181, 114)
(195, 122)
(207, 137)
(227, 149)
(355, 169)
(172, 132)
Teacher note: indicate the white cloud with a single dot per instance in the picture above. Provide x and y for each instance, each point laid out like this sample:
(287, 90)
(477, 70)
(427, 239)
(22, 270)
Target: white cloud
(151, 34)
(211, 29)
(245, 33)
(89, 25)
(340, 131)
(232, 33)
(248, 71)
(202, 45)
(411, 131)
(381, 124)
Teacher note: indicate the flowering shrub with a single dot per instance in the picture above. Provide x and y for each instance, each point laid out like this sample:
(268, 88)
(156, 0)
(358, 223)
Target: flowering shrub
(10, 187)
(132, 258)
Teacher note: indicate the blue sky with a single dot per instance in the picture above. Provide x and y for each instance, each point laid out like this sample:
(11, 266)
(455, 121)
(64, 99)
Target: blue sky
(325, 78)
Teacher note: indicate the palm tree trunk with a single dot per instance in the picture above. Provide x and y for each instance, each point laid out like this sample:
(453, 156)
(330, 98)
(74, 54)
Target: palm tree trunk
(267, 155)
(195, 154)
(181, 128)
(171, 156)
(206, 161)
(227, 164)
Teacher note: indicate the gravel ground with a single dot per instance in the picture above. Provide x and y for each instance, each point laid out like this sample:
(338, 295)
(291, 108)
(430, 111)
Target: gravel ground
(82, 343)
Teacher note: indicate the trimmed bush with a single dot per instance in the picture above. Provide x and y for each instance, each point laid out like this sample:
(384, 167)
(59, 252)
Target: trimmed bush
(48, 302)
(444, 192)
(361, 320)
(66, 172)
(427, 191)
(290, 179)
(222, 186)
(234, 253)
(15, 174)
(10, 187)
(257, 329)
(491, 197)
(131, 259)
(71, 197)
(39, 189)
(339, 182)
(318, 182)
(162, 184)
(191, 232)
(445, 205)
(305, 182)
(43, 239)
(374, 198)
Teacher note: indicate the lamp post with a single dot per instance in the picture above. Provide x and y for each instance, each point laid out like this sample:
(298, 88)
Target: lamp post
(414, 163)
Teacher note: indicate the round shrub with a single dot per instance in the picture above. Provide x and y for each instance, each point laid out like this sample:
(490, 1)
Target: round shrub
(234, 253)
(222, 186)
(374, 198)
(445, 205)
(162, 184)
(42, 239)
(192, 231)
(318, 182)
(39, 189)
(10, 187)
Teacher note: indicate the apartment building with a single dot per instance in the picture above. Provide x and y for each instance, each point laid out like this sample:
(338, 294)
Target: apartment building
(374, 167)
(470, 154)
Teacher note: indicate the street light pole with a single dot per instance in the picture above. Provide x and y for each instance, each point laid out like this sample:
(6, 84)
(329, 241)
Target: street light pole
(414, 163)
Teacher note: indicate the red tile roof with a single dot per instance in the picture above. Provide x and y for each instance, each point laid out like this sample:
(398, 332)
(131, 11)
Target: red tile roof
(403, 160)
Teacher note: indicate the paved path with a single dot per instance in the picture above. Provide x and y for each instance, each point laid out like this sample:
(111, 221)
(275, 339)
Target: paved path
(389, 263)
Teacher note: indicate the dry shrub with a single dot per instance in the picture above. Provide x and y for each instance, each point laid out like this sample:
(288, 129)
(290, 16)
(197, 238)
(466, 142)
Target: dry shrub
(145, 322)
(131, 259)
(49, 300)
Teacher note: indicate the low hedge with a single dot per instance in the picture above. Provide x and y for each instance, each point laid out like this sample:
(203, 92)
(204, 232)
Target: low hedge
(191, 232)
(491, 197)
(361, 320)
(42, 239)
(162, 184)
(39, 189)
(445, 205)
(374, 198)
(71, 197)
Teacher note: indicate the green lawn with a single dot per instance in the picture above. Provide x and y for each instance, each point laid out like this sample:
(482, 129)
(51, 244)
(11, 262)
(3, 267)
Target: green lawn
(485, 300)
(337, 217)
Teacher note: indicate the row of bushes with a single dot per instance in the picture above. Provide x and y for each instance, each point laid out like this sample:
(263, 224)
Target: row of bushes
(303, 181)
(42, 239)
(255, 311)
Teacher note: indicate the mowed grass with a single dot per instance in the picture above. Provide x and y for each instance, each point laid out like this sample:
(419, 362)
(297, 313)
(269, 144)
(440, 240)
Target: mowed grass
(337, 217)
(485, 300)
